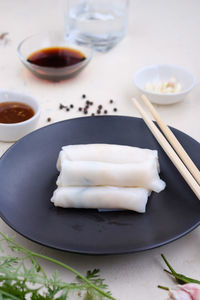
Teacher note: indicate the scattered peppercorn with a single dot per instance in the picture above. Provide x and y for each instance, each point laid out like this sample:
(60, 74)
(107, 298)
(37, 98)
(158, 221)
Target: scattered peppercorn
(48, 119)
(86, 107)
(3, 35)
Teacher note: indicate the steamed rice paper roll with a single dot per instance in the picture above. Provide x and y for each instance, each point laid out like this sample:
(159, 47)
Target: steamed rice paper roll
(105, 197)
(106, 153)
(90, 173)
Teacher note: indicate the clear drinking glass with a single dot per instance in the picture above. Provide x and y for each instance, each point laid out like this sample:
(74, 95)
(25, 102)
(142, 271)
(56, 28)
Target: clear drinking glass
(97, 23)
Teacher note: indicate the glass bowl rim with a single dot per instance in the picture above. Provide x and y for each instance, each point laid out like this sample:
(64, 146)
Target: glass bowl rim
(72, 67)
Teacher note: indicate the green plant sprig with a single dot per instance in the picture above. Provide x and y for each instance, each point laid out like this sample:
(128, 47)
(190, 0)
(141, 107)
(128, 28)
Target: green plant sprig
(19, 279)
(180, 278)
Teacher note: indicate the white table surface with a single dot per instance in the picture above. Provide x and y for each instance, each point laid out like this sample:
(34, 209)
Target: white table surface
(159, 32)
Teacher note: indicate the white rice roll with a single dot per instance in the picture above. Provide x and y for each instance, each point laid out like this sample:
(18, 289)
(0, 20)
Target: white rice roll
(90, 173)
(105, 197)
(110, 153)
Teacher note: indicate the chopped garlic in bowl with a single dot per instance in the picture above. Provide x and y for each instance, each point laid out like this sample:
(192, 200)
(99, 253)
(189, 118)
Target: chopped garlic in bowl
(165, 87)
(157, 83)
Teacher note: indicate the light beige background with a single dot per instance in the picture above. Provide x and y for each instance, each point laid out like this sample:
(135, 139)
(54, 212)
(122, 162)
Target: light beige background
(159, 32)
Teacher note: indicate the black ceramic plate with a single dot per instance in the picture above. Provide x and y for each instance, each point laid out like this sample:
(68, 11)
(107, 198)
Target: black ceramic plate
(27, 180)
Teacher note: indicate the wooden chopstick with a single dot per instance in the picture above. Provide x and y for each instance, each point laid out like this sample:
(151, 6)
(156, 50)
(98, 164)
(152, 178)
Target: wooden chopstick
(169, 151)
(173, 141)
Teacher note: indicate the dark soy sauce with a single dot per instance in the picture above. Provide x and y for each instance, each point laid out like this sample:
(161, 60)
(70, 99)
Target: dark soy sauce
(56, 57)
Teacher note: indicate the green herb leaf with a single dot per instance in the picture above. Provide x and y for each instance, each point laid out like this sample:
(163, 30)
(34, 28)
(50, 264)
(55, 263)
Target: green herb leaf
(22, 277)
(180, 278)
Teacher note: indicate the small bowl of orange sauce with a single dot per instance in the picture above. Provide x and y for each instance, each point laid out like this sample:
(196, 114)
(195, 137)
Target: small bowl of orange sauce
(50, 56)
(19, 114)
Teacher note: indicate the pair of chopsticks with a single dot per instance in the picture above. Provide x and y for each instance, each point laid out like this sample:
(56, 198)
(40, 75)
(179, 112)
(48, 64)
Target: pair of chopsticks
(175, 151)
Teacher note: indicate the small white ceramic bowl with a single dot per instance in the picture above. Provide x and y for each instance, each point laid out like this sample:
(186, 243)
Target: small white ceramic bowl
(157, 73)
(14, 131)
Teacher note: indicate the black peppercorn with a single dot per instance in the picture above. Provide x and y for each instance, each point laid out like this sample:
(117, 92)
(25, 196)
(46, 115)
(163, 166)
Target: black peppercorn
(80, 108)
(83, 96)
(111, 101)
(48, 119)
(71, 105)
(115, 109)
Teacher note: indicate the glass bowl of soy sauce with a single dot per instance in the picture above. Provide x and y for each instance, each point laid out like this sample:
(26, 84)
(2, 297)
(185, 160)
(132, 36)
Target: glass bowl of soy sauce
(51, 56)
